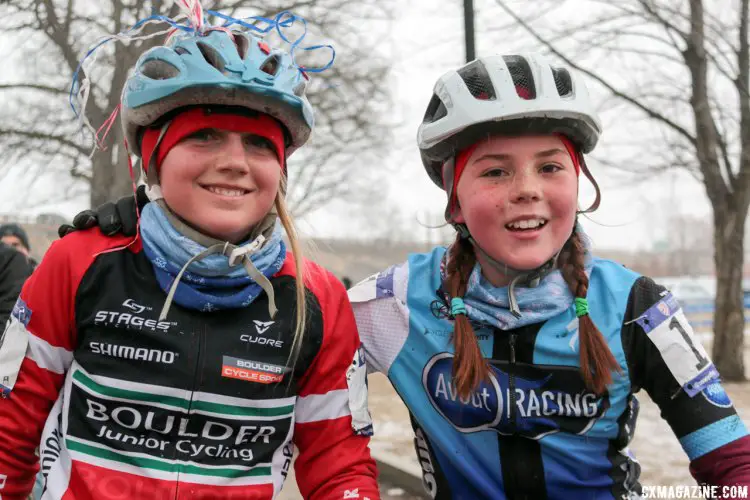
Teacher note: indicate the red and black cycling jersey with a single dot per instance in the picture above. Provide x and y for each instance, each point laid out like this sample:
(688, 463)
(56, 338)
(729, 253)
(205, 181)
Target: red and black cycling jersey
(200, 405)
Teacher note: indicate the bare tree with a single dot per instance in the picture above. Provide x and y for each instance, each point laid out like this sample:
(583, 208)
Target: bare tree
(38, 129)
(684, 67)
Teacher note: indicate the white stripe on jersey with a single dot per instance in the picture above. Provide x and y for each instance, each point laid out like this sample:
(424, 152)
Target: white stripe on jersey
(14, 342)
(47, 356)
(282, 461)
(317, 407)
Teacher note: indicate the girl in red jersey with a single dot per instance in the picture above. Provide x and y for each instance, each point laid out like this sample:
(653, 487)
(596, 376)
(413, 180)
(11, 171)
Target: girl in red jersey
(187, 362)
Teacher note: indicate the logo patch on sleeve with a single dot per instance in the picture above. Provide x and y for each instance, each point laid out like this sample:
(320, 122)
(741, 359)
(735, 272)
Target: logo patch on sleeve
(658, 313)
(384, 283)
(13, 344)
(716, 395)
(22, 312)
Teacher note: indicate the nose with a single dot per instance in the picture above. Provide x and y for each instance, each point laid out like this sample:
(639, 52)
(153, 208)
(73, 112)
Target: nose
(526, 187)
(233, 157)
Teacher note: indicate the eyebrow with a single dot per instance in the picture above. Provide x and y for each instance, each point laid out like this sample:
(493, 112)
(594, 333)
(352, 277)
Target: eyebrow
(219, 130)
(505, 157)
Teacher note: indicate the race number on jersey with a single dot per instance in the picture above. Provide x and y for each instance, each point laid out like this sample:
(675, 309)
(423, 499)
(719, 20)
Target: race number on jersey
(669, 330)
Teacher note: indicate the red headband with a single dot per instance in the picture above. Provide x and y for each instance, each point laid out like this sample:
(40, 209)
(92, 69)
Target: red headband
(462, 159)
(193, 120)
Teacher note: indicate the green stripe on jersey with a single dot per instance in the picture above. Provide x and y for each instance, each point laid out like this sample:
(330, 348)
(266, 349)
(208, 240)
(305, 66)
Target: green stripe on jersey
(167, 466)
(145, 397)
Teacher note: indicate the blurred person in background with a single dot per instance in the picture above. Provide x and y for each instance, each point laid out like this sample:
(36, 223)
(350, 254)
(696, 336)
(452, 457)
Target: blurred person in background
(14, 269)
(15, 236)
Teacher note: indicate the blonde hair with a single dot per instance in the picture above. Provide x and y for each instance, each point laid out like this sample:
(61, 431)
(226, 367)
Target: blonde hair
(287, 222)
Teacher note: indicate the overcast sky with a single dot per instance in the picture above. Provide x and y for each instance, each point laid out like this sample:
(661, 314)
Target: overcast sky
(429, 41)
(632, 214)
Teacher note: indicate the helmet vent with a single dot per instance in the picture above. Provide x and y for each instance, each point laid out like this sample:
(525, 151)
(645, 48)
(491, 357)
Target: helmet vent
(271, 65)
(157, 69)
(523, 80)
(212, 56)
(242, 44)
(563, 82)
(435, 110)
(181, 50)
(478, 81)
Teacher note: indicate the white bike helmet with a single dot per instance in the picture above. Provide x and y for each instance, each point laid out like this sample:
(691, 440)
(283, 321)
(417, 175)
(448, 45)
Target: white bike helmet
(511, 94)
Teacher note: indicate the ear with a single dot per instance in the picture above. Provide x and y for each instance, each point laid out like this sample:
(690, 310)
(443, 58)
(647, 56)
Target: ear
(457, 214)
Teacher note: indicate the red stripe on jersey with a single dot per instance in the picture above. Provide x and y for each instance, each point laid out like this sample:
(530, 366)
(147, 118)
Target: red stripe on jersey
(99, 483)
(331, 455)
(332, 459)
(340, 338)
(725, 466)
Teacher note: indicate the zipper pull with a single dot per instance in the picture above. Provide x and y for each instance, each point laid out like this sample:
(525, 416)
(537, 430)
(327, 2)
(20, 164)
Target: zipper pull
(512, 302)
(237, 254)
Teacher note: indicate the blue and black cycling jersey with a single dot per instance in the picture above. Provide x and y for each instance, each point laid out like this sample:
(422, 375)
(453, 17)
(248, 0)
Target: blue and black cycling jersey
(534, 430)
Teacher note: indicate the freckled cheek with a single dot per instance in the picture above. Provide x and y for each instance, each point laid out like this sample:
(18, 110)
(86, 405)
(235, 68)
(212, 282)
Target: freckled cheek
(488, 201)
(484, 212)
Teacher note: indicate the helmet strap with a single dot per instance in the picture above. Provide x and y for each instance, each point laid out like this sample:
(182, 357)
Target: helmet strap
(153, 190)
(449, 169)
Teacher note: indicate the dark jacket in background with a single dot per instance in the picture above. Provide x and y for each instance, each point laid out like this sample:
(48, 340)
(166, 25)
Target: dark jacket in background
(14, 269)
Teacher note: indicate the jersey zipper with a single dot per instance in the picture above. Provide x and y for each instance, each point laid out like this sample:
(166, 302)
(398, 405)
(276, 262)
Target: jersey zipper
(196, 343)
(512, 380)
(521, 481)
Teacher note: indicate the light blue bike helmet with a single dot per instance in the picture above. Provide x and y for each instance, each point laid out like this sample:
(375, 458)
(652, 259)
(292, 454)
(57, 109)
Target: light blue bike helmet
(217, 68)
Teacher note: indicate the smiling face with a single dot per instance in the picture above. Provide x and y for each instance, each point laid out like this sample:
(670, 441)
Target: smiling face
(518, 198)
(222, 183)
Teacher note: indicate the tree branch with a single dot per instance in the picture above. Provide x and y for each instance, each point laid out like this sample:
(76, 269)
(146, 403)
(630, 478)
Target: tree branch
(721, 134)
(706, 146)
(619, 93)
(32, 86)
(670, 28)
(32, 134)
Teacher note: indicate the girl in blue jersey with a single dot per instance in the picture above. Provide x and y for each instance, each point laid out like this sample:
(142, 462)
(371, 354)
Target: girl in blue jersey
(517, 352)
